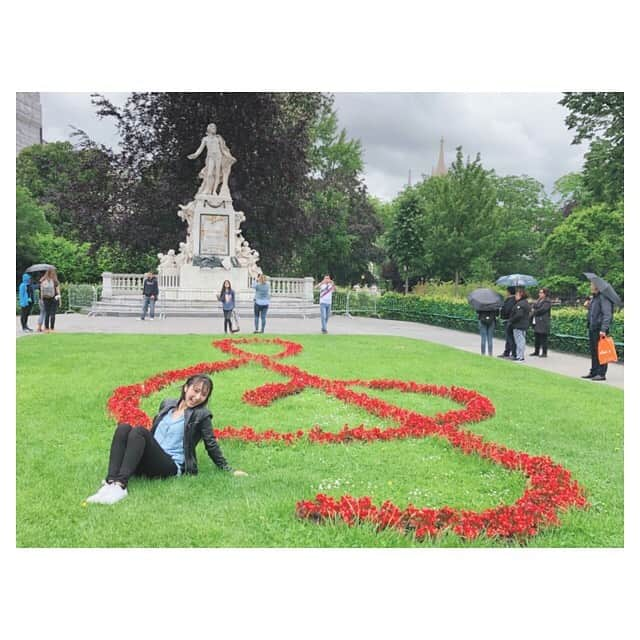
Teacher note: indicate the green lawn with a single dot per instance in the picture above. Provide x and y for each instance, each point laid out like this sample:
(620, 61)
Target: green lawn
(63, 435)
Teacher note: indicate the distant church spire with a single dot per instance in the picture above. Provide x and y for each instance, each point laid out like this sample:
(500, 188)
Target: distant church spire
(441, 168)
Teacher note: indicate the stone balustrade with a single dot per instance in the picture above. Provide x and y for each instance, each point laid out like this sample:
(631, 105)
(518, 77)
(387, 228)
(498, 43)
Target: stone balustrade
(125, 284)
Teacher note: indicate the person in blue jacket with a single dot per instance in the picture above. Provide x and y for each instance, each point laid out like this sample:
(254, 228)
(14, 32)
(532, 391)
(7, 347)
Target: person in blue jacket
(26, 301)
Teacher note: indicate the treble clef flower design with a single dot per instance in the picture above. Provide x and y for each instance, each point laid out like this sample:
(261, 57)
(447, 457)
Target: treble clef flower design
(549, 487)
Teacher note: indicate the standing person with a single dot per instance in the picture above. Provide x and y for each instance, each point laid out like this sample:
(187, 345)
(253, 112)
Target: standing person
(228, 298)
(40, 323)
(50, 297)
(261, 302)
(487, 326)
(541, 321)
(505, 312)
(169, 448)
(327, 287)
(599, 322)
(519, 321)
(26, 300)
(150, 295)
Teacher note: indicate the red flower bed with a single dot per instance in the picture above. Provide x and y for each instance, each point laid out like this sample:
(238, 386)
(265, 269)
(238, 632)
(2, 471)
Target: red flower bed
(550, 487)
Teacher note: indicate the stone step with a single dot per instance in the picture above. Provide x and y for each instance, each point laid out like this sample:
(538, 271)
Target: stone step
(292, 308)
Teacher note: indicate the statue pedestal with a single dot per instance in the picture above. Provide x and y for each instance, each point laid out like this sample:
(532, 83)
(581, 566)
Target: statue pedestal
(202, 283)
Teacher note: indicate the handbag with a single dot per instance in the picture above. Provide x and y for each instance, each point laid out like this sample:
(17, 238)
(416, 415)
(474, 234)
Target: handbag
(607, 350)
(235, 323)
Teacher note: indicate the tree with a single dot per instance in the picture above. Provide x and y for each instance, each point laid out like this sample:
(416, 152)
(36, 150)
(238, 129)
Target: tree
(72, 260)
(524, 218)
(30, 221)
(460, 218)
(343, 224)
(590, 239)
(269, 134)
(75, 188)
(406, 238)
(599, 117)
(572, 192)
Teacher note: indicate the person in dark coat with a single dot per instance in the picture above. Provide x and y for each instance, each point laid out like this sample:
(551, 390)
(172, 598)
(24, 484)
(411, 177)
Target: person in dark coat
(541, 321)
(505, 312)
(519, 321)
(599, 322)
(150, 295)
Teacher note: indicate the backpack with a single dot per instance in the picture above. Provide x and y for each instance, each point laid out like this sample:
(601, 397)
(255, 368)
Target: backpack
(47, 289)
(487, 318)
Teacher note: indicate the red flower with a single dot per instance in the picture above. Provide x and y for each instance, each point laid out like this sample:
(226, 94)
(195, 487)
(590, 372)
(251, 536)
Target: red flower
(550, 488)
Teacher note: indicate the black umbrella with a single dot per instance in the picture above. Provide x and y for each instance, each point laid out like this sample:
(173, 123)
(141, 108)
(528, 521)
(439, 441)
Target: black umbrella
(485, 300)
(604, 288)
(39, 267)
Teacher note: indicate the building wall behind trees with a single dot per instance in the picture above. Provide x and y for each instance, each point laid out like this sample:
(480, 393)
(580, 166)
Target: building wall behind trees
(28, 120)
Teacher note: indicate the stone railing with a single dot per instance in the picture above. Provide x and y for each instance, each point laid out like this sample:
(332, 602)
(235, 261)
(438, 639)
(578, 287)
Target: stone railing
(121, 284)
(130, 284)
(289, 287)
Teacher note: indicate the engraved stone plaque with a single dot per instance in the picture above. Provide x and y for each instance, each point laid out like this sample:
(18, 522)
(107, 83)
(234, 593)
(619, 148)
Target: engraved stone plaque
(214, 235)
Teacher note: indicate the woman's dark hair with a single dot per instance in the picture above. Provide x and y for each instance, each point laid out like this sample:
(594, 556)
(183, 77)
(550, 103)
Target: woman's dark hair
(511, 290)
(223, 288)
(205, 380)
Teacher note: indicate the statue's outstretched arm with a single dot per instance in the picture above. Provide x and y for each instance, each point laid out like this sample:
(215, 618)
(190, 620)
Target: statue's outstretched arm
(194, 155)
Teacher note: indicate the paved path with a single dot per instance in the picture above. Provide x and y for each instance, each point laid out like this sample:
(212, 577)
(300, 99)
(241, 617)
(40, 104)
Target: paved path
(558, 362)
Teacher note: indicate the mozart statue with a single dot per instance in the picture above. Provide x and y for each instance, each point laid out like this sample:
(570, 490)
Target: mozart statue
(217, 166)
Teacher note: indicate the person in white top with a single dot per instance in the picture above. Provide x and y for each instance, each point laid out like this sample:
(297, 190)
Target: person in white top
(327, 287)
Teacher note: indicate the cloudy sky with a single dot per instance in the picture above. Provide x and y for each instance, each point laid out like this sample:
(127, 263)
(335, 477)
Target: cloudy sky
(515, 133)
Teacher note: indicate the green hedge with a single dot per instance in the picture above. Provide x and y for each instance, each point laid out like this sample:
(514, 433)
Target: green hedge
(568, 324)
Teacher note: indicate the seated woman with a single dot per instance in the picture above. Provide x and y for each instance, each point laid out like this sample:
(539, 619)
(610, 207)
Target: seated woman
(169, 448)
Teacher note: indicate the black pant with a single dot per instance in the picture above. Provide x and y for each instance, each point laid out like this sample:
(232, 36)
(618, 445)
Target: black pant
(134, 451)
(510, 341)
(50, 306)
(24, 315)
(227, 319)
(542, 340)
(597, 369)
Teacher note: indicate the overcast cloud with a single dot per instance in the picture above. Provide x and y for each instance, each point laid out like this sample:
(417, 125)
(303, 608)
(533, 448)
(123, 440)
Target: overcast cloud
(515, 133)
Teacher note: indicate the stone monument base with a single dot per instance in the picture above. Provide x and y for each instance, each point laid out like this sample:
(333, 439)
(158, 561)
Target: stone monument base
(204, 283)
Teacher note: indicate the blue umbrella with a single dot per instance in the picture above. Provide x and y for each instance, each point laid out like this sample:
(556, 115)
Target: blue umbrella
(517, 280)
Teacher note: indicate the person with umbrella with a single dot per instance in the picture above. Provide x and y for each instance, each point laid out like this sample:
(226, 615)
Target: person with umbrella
(541, 321)
(50, 296)
(486, 303)
(38, 269)
(519, 322)
(603, 298)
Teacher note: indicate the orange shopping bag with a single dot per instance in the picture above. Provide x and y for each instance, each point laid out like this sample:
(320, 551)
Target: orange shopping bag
(607, 350)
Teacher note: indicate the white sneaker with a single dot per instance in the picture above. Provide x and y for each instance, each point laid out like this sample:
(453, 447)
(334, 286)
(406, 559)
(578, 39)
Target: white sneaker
(100, 493)
(115, 494)
(150, 319)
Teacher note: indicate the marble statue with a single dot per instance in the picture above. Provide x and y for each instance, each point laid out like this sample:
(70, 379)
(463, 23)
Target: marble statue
(167, 261)
(185, 254)
(186, 213)
(217, 165)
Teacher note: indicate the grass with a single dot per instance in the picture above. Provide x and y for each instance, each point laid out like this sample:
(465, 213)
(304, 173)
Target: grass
(63, 435)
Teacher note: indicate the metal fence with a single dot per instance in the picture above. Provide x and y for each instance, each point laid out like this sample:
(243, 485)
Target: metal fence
(353, 303)
(81, 297)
